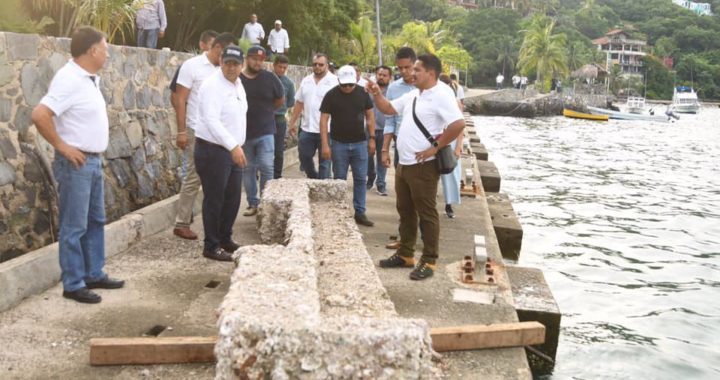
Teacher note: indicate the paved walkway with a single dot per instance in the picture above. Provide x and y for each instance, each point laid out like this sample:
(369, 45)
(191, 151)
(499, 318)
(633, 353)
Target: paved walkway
(169, 285)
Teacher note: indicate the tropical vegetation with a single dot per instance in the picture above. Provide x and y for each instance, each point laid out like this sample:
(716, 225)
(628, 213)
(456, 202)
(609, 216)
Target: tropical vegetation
(539, 38)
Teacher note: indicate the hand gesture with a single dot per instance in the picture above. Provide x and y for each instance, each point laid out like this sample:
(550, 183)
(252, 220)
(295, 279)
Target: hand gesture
(238, 156)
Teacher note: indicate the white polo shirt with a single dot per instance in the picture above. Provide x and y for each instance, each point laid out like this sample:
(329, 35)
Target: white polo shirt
(253, 32)
(312, 94)
(191, 76)
(436, 108)
(80, 111)
(223, 108)
(279, 41)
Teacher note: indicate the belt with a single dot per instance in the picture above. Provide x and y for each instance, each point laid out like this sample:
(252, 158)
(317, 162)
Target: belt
(91, 154)
(208, 143)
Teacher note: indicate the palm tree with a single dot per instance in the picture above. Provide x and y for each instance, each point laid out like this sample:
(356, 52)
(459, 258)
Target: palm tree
(114, 17)
(542, 51)
(362, 41)
(507, 54)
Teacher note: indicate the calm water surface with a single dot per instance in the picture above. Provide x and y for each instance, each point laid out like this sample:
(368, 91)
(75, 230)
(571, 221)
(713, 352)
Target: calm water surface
(624, 219)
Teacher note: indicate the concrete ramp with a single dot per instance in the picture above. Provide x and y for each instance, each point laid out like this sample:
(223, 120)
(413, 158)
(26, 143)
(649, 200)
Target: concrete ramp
(310, 304)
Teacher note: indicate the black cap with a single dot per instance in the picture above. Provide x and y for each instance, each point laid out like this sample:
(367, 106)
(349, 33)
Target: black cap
(257, 51)
(232, 53)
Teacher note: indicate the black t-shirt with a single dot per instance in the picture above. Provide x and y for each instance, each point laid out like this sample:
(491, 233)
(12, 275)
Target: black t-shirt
(347, 112)
(261, 92)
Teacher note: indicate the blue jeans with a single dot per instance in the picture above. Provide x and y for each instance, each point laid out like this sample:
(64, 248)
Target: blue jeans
(376, 170)
(147, 38)
(260, 156)
(82, 221)
(308, 144)
(354, 155)
(281, 125)
(222, 189)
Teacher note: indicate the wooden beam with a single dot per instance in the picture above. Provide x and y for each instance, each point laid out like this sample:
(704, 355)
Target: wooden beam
(169, 350)
(162, 350)
(474, 337)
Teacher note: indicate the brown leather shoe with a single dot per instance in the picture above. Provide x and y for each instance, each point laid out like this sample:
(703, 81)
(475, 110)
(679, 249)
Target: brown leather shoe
(393, 245)
(230, 247)
(185, 233)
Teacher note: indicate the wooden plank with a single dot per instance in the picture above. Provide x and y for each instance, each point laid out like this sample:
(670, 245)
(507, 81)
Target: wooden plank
(161, 350)
(487, 336)
(174, 350)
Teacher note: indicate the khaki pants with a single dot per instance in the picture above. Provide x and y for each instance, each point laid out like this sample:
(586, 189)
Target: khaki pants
(190, 185)
(416, 189)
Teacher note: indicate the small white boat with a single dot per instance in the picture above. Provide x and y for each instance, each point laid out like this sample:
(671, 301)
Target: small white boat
(629, 116)
(685, 100)
(635, 104)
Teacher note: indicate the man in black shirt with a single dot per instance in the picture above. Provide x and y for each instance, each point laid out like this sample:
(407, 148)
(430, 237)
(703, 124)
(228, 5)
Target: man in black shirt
(265, 94)
(350, 106)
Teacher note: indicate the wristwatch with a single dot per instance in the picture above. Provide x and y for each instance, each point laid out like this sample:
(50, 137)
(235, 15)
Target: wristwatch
(435, 143)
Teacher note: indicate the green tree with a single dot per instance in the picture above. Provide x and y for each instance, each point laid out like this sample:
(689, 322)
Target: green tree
(542, 51)
(362, 42)
(114, 17)
(14, 18)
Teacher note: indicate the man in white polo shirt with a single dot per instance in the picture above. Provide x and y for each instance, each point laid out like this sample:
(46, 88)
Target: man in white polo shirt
(191, 76)
(219, 157)
(279, 41)
(307, 102)
(72, 117)
(253, 31)
(416, 177)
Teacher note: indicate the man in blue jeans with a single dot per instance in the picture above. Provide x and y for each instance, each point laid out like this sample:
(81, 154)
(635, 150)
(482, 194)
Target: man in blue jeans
(376, 170)
(72, 117)
(151, 22)
(265, 94)
(307, 103)
(349, 105)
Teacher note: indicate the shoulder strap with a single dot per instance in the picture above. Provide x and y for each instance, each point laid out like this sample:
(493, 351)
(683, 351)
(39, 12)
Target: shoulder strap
(420, 125)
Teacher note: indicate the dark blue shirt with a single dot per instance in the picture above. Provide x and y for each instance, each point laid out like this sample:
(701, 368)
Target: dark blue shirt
(261, 92)
(289, 95)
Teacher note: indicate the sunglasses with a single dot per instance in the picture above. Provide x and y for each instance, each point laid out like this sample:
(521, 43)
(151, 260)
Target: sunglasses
(346, 85)
(318, 64)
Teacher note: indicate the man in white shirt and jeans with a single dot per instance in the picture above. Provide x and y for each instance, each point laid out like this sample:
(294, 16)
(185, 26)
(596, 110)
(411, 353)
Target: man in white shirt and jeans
(416, 177)
(253, 31)
(219, 157)
(72, 117)
(191, 76)
(278, 40)
(307, 102)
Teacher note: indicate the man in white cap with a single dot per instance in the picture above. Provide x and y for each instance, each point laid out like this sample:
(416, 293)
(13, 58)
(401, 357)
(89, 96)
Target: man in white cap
(279, 41)
(349, 105)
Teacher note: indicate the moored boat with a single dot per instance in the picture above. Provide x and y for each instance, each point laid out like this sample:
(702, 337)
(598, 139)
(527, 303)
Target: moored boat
(685, 100)
(582, 115)
(628, 116)
(635, 104)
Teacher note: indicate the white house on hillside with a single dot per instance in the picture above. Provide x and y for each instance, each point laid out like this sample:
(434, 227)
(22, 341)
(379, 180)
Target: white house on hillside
(699, 8)
(622, 50)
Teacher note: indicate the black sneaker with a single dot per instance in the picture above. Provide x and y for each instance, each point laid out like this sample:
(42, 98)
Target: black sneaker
(83, 295)
(422, 271)
(230, 247)
(218, 254)
(449, 211)
(397, 261)
(363, 220)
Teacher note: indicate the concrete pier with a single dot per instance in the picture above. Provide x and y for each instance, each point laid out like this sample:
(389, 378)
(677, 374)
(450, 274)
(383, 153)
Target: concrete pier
(173, 291)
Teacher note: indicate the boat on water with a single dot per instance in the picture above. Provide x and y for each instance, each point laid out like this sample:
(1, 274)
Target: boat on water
(616, 115)
(685, 100)
(635, 104)
(582, 115)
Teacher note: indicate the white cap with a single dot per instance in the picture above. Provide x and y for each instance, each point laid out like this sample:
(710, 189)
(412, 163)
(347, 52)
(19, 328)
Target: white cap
(347, 74)
(278, 22)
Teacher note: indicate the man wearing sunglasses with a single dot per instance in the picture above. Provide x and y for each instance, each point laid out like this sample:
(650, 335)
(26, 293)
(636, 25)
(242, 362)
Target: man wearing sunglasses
(349, 106)
(307, 102)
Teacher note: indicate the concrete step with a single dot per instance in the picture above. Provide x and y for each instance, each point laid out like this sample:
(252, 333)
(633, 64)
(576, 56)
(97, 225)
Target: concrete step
(489, 176)
(534, 302)
(479, 151)
(506, 225)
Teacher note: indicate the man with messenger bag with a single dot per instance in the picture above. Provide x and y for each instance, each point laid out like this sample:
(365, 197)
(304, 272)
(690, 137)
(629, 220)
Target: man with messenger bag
(431, 120)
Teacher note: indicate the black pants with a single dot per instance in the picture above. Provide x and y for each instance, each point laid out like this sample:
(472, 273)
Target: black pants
(221, 182)
(281, 126)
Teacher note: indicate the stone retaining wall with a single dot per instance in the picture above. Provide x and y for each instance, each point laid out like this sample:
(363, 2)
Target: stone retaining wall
(141, 164)
(311, 305)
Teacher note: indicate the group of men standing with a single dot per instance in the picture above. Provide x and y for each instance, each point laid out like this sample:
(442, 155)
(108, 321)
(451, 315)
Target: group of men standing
(231, 125)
